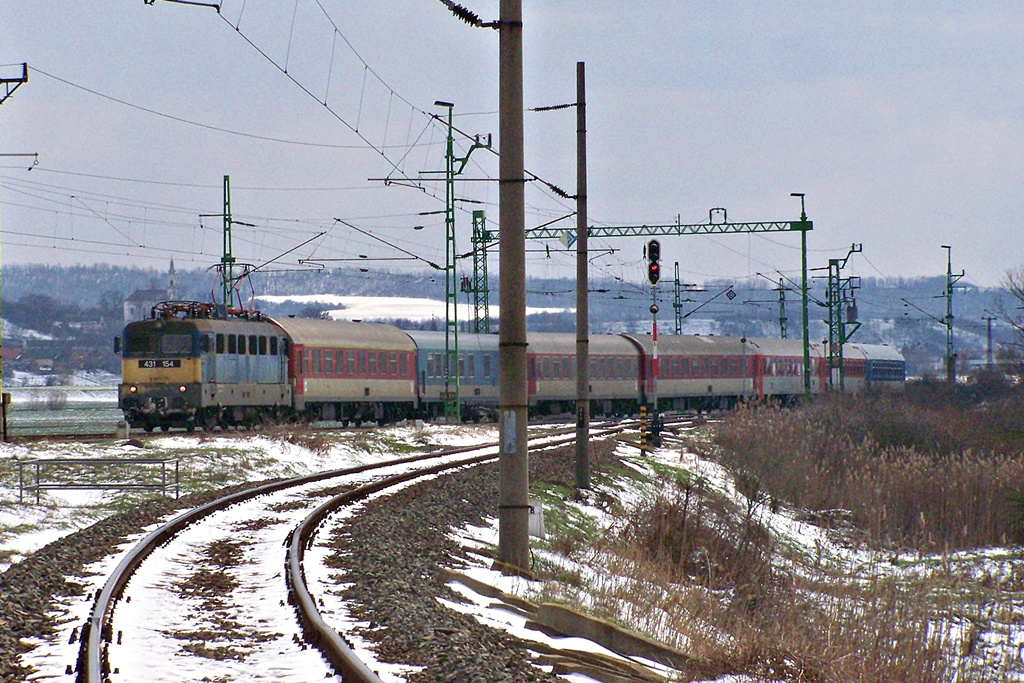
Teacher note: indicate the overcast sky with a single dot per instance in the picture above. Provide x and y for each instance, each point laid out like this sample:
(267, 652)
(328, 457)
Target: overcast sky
(902, 122)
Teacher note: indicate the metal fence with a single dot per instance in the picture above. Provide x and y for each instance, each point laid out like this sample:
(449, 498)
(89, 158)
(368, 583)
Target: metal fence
(70, 473)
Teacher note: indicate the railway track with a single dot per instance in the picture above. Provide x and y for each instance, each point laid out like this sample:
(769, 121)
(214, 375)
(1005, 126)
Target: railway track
(287, 513)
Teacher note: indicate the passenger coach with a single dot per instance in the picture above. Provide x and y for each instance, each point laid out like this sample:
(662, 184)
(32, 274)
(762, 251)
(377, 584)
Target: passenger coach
(350, 372)
(477, 373)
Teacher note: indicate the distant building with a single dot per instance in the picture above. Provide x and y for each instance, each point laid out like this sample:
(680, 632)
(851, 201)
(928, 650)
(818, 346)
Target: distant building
(140, 304)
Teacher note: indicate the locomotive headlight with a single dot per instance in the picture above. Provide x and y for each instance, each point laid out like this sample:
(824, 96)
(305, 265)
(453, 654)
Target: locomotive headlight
(132, 389)
(182, 388)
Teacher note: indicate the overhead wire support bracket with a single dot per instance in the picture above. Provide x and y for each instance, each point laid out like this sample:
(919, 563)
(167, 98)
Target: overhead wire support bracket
(12, 84)
(189, 2)
(718, 224)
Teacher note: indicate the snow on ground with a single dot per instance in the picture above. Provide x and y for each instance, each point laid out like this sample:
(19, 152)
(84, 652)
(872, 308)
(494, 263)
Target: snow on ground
(227, 457)
(390, 307)
(24, 528)
(79, 378)
(1002, 635)
(263, 456)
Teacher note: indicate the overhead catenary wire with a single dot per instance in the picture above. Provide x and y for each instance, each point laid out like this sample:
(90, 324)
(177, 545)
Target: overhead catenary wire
(190, 122)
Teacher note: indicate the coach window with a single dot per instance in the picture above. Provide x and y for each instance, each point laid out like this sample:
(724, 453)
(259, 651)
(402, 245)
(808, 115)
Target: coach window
(221, 343)
(487, 365)
(471, 366)
(556, 367)
(329, 363)
(545, 368)
(350, 362)
(382, 364)
(273, 346)
(232, 344)
(403, 364)
(317, 367)
(298, 361)
(371, 369)
(254, 345)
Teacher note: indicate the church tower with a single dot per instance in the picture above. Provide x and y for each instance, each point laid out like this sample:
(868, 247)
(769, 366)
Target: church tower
(172, 284)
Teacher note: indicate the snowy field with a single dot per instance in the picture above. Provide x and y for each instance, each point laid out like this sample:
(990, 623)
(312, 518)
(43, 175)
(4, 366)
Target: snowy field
(389, 307)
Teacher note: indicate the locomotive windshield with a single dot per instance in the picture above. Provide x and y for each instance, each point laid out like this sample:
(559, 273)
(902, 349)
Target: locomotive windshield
(156, 344)
(140, 344)
(176, 344)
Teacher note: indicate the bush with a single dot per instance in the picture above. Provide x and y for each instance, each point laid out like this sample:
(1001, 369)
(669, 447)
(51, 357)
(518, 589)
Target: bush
(911, 476)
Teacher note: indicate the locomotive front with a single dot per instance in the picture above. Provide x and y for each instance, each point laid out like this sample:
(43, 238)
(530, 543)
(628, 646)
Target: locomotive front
(161, 373)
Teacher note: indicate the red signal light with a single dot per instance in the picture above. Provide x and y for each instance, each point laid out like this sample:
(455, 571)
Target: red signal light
(653, 272)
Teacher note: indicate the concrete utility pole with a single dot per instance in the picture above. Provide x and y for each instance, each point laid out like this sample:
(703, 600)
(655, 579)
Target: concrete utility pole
(989, 361)
(513, 459)
(582, 286)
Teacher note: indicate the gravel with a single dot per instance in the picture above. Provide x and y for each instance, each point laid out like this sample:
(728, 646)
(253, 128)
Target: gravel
(395, 580)
(31, 589)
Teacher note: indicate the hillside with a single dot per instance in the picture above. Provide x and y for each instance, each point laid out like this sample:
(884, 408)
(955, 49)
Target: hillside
(79, 307)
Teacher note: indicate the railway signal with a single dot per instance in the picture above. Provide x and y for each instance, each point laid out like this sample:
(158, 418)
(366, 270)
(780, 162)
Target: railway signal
(654, 261)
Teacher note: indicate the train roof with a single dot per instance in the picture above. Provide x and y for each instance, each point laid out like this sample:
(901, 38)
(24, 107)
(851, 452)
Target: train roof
(564, 343)
(206, 325)
(878, 351)
(343, 333)
(771, 346)
(689, 344)
(710, 344)
(431, 340)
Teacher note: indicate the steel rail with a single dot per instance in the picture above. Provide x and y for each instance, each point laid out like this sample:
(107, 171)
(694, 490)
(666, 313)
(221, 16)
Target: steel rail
(93, 664)
(331, 644)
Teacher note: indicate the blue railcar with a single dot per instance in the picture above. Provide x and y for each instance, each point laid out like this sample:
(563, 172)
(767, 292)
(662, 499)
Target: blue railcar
(477, 373)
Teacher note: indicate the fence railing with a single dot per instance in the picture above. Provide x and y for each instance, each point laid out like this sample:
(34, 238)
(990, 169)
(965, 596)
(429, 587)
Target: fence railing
(70, 473)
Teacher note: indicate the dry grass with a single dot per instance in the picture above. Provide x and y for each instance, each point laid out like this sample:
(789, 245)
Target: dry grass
(696, 568)
(925, 478)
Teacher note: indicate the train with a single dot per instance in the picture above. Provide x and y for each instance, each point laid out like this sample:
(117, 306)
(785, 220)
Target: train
(192, 366)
